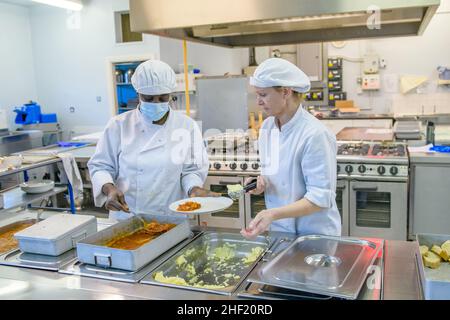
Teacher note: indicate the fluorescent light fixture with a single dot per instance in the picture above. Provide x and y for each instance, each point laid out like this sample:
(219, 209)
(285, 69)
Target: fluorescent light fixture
(74, 5)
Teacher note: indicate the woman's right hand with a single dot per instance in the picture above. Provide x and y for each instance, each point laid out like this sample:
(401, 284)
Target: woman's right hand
(115, 198)
(260, 185)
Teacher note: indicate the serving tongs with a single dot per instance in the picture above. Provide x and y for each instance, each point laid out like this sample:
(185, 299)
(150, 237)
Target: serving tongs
(235, 195)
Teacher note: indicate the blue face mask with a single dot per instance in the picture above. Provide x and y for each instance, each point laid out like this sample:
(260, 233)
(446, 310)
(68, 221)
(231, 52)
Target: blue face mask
(154, 111)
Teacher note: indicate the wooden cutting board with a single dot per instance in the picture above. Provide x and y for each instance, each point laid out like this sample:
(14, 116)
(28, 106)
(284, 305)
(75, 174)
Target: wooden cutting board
(365, 133)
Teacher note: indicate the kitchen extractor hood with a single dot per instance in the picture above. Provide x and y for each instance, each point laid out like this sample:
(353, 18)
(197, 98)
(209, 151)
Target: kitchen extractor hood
(250, 23)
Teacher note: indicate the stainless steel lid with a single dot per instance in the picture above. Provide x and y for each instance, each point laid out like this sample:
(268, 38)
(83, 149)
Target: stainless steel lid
(324, 265)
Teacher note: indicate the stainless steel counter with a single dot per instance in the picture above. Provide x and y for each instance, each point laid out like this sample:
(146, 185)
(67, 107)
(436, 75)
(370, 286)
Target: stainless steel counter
(400, 282)
(429, 158)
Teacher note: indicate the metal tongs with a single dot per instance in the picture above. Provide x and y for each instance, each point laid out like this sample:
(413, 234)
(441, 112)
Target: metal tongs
(235, 195)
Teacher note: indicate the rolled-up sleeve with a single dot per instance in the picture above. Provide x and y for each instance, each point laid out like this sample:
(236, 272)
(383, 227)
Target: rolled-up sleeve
(195, 168)
(319, 169)
(103, 165)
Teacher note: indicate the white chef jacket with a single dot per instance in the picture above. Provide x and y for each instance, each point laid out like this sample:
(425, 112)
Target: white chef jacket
(153, 165)
(300, 162)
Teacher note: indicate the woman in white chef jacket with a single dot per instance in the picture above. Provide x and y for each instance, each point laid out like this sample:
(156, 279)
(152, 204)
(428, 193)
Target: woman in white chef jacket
(151, 156)
(298, 157)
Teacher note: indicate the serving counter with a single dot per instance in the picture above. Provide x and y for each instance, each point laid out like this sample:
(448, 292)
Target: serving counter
(399, 281)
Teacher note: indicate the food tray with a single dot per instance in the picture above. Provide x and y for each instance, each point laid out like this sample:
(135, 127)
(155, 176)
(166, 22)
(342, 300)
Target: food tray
(435, 282)
(9, 227)
(221, 253)
(57, 234)
(324, 265)
(93, 251)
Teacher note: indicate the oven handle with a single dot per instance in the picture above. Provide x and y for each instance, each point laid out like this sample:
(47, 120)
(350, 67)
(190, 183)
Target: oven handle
(357, 188)
(224, 183)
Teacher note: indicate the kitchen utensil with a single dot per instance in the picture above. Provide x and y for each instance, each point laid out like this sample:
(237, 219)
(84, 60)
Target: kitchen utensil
(93, 251)
(235, 195)
(37, 186)
(57, 234)
(208, 205)
(326, 265)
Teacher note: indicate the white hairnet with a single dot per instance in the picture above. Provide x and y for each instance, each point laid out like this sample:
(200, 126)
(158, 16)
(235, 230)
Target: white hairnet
(154, 77)
(276, 72)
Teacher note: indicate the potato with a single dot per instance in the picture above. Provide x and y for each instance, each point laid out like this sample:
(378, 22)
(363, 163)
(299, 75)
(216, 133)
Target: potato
(446, 246)
(423, 250)
(431, 260)
(438, 250)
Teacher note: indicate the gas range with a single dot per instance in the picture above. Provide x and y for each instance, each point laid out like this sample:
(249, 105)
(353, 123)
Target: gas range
(233, 153)
(234, 163)
(372, 160)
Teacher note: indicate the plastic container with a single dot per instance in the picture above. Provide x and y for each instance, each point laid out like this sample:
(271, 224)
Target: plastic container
(57, 234)
(49, 118)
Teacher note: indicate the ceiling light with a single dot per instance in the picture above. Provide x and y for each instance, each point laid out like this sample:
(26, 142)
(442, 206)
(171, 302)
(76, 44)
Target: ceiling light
(66, 4)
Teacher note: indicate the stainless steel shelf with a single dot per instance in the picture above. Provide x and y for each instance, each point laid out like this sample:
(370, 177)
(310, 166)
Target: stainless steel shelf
(16, 198)
(30, 166)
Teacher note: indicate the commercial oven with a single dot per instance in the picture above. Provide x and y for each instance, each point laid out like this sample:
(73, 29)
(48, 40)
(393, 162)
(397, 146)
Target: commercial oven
(234, 216)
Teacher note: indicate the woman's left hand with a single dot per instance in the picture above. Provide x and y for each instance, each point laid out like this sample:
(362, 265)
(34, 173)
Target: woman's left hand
(200, 192)
(258, 225)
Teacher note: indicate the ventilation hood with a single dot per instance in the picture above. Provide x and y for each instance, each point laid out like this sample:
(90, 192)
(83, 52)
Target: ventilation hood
(250, 23)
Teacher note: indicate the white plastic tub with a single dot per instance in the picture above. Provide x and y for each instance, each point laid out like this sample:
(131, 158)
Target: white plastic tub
(57, 234)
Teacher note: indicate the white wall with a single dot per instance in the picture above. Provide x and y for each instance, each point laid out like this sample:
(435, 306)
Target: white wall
(17, 80)
(418, 55)
(211, 60)
(71, 68)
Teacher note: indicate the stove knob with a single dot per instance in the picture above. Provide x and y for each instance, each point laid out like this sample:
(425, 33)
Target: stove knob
(255, 166)
(381, 170)
(393, 171)
(338, 168)
(217, 166)
(233, 166)
(362, 168)
(244, 166)
(348, 169)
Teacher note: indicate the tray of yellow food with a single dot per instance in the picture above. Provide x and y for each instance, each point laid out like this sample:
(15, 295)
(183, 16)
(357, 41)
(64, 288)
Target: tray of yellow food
(214, 262)
(7, 240)
(201, 205)
(130, 245)
(433, 257)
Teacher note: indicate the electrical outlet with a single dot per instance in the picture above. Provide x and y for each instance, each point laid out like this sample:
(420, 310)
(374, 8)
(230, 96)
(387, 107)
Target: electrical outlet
(383, 63)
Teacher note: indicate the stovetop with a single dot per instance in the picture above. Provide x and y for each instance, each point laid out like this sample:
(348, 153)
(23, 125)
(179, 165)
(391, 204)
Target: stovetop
(371, 149)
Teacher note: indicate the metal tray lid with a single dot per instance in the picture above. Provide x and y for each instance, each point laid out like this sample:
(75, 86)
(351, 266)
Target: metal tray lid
(325, 265)
(56, 227)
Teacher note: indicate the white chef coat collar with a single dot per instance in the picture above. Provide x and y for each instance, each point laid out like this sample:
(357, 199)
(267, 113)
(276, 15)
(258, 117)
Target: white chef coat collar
(291, 123)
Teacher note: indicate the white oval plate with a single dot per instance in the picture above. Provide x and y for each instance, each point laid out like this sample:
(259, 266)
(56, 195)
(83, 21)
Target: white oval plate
(208, 205)
(37, 186)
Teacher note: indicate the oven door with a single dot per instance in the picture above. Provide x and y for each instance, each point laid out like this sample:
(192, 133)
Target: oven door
(378, 209)
(342, 201)
(253, 205)
(234, 216)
